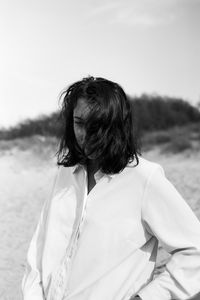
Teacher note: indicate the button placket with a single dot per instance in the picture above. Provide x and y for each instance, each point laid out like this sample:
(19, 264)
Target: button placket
(71, 251)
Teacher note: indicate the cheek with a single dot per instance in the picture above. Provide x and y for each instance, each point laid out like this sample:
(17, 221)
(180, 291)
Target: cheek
(79, 133)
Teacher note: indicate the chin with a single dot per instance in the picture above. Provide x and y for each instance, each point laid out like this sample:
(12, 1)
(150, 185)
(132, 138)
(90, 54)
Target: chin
(92, 156)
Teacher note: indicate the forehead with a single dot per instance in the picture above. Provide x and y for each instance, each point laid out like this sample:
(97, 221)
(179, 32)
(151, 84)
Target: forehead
(82, 108)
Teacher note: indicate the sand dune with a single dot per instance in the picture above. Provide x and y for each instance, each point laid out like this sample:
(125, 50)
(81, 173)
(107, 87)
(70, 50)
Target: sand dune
(26, 181)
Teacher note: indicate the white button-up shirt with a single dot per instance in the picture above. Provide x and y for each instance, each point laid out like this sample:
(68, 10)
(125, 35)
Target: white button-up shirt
(103, 245)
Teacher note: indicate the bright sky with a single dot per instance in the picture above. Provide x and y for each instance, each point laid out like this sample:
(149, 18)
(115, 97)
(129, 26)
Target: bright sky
(150, 46)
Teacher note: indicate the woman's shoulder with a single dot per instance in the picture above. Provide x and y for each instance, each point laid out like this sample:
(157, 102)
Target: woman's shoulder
(63, 177)
(144, 168)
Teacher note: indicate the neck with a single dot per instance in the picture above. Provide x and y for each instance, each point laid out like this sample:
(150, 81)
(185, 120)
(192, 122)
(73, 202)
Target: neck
(92, 165)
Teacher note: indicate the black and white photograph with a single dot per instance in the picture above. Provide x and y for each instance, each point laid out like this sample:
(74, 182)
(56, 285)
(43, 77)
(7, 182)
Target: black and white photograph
(100, 150)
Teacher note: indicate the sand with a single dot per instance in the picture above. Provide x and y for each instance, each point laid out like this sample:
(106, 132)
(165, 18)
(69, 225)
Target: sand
(26, 181)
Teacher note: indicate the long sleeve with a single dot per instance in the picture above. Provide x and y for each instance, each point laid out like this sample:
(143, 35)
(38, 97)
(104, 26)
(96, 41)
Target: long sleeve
(169, 218)
(32, 288)
(32, 282)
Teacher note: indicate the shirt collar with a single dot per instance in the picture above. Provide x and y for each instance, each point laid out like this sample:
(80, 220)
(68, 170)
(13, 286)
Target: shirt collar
(75, 167)
(99, 173)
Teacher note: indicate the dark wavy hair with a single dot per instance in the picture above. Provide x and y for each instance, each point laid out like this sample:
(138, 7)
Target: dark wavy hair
(109, 126)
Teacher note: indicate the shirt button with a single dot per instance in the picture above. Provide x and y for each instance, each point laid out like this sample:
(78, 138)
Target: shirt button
(60, 283)
(67, 260)
(66, 293)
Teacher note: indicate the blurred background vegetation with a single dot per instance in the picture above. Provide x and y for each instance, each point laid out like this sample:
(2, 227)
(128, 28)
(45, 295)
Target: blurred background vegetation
(171, 122)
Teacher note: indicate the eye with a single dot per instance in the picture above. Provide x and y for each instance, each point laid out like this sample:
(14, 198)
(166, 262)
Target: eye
(79, 123)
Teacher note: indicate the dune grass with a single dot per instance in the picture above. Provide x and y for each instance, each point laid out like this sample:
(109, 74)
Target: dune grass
(173, 140)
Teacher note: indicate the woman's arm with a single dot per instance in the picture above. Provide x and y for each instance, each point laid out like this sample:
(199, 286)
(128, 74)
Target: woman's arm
(32, 287)
(168, 217)
(32, 281)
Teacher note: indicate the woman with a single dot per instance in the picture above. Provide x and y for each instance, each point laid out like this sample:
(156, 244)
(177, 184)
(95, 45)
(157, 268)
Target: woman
(97, 237)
